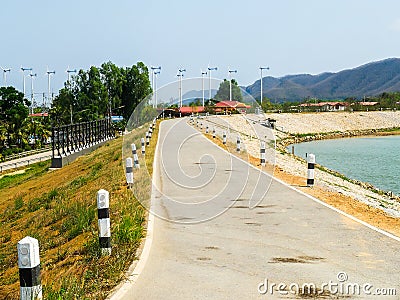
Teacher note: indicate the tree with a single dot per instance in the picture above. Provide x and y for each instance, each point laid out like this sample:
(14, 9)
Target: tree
(13, 112)
(223, 91)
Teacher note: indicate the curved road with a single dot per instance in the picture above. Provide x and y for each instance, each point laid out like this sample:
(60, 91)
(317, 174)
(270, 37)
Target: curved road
(288, 238)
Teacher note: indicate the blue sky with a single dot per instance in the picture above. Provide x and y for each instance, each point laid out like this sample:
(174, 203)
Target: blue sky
(289, 36)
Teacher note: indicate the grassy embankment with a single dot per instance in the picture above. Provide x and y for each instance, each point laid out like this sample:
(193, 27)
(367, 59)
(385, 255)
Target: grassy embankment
(59, 209)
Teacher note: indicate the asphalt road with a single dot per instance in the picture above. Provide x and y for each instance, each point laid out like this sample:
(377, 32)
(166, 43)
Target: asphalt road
(208, 244)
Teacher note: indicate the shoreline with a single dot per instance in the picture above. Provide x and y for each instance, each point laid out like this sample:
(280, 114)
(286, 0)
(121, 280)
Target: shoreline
(354, 197)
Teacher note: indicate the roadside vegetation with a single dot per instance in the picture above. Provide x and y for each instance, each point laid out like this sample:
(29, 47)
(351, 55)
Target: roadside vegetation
(59, 209)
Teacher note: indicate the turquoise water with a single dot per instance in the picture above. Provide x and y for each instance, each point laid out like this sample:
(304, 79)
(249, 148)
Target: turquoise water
(370, 159)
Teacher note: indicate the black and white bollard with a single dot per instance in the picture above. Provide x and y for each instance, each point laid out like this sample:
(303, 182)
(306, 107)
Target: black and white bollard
(150, 132)
(201, 125)
(147, 139)
(29, 268)
(129, 172)
(143, 147)
(135, 156)
(310, 169)
(224, 137)
(238, 143)
(262, 154)
(213, 132)
(103, 213)
(207, 129)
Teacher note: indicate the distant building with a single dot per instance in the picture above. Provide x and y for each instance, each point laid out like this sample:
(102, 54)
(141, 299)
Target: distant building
(231, 106)
(326, 106)
(44, 114)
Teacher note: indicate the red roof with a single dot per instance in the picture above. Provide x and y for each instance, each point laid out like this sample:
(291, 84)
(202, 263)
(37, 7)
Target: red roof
(39, 115)
(191, 109)
(232, 104)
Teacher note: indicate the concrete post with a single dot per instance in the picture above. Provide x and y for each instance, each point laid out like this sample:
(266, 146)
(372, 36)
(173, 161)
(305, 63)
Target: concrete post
(310, 169)
(129, 172)
(213, 132)
(143, 147)
(147, 138)
(103, 213)
(135, 156)
(224, 137)
(238, 143)
(29, 269)
(207, 129)
(262, 154)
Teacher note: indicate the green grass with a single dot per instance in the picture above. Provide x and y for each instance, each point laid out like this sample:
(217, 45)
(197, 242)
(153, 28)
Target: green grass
(59, 209)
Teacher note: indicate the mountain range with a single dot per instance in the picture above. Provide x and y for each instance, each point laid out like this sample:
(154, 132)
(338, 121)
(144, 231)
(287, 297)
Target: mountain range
(367, 80)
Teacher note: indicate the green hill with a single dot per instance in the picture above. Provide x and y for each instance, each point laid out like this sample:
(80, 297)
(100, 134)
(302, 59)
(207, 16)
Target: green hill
(367, 80)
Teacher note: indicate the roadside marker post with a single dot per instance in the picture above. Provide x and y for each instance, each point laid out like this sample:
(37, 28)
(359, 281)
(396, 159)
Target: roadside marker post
(147, 139)
(238, 143)
(143, 147)
(224, 137)
(29, 269)
(207, 129)
(310, 169)
(262, 154)
(213, 132)
(103, 214)
(135, 157)
(129, 172)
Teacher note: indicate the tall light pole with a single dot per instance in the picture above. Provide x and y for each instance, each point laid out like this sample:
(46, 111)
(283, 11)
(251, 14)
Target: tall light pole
(202, 83)
(153, 74)
(230, 83)
(49, 73)
(5, 75)
(69, 71)
(261, 88)
(32, 94)
(181, 71)
(155, 88)
(23, 77)
(209, 80)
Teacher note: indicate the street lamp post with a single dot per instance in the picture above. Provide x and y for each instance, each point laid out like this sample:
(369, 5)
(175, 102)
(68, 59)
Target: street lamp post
(49, 73)
(261, 88)
(154, 72)
(181, 71)
(32, 95)
(5, 75)
(23, 77)
(202, 83)
(230, 83)
(209, 80)
(69, 73)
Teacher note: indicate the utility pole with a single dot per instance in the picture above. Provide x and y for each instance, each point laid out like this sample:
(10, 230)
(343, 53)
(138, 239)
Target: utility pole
(261, 79)
(230, 83)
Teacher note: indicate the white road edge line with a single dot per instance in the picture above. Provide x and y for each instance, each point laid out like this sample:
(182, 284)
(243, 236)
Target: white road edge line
(390, 235)
(132, 276)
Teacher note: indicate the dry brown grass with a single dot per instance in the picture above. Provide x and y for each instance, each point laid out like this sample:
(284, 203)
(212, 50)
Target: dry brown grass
(59, 209)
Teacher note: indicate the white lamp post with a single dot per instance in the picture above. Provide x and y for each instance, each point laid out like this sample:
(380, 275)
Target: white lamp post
(5, 75)
(209, 80)
(154, 72)
(230, 83)
(32, 94)
(202, 83)
(69, 73)
(261, 88)
(23, 76)
(180, 86)
(49, 73)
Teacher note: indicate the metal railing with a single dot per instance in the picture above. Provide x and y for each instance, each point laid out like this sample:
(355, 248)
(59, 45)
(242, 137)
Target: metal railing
(71, 138)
